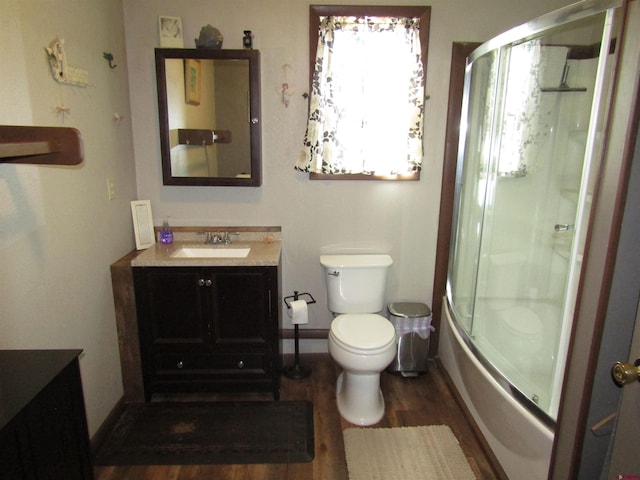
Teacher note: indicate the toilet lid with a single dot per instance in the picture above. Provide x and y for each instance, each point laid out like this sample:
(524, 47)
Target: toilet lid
(362, 331)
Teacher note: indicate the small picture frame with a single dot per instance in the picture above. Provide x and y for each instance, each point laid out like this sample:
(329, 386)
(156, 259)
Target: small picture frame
(192, 81)
(170, 31)
(142, 223)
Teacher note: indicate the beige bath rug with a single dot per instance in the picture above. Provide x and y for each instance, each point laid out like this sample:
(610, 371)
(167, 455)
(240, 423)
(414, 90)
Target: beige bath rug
(405, 453)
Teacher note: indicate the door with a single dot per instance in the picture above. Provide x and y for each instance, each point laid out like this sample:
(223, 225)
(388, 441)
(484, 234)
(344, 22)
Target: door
(625, 460)
(625, 456)
(612, 432)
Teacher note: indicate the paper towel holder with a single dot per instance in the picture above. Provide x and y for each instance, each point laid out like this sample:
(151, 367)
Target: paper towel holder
(297, 371)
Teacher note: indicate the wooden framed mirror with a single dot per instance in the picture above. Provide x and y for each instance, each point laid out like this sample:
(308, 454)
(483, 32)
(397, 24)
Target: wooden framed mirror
(209, 113)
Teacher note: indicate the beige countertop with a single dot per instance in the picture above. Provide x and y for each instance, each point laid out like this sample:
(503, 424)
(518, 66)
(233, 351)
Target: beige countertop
(265, 251)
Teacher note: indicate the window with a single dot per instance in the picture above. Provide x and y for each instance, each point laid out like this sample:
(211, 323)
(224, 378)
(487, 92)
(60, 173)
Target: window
(366, 108)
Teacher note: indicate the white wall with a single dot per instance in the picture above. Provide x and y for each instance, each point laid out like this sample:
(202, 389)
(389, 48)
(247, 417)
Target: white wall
(58, 231)
(399, 218)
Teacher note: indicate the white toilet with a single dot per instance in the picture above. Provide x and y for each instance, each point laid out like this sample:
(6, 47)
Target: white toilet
(361, 341)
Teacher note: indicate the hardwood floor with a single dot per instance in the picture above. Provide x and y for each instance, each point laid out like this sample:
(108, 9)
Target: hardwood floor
(425, 400)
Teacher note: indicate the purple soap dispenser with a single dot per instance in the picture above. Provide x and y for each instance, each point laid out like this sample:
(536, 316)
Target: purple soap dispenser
(166, 235)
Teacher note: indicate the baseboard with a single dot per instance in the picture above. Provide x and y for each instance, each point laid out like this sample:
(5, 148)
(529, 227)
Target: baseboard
(289, 358)
(100, 436)
(316, 333)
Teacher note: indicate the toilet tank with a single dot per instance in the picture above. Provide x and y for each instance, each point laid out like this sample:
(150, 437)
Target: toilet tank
(356, 283)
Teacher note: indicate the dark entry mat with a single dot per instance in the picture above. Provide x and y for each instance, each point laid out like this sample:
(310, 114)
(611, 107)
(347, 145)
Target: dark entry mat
(186, 433)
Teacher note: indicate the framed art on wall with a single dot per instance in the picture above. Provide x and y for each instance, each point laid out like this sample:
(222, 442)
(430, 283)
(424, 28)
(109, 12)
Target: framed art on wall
(170, 30)
(142, 223)
(192, 81)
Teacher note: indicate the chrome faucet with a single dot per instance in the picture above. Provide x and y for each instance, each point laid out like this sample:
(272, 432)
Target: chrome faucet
(214, 238)
(218, 238)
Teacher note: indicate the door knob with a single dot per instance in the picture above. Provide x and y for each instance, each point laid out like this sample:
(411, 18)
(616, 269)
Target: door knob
(625, 373)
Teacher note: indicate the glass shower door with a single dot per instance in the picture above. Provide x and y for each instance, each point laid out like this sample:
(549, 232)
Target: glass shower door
(480, 87)
(535, 116)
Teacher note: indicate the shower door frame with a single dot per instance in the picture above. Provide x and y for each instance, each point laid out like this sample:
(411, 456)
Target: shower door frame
(606, 219)
(536, 28)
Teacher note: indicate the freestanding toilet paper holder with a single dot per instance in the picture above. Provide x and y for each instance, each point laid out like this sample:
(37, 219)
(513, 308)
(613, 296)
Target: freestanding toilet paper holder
(297, 371)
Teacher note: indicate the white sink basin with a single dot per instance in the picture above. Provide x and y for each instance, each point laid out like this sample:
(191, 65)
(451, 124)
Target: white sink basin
(211, 252)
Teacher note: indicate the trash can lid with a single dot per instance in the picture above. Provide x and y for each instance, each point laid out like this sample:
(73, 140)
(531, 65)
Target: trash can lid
(409, 309)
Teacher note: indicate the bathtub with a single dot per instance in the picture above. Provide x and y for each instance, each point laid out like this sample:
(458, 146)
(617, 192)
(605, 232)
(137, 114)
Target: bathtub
(521, 442)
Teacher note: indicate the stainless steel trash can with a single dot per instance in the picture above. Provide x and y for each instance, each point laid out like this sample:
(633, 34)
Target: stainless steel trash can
(412, 322)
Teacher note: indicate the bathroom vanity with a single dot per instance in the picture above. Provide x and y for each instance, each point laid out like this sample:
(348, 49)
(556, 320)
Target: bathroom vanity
(207, 328)
(207, 320)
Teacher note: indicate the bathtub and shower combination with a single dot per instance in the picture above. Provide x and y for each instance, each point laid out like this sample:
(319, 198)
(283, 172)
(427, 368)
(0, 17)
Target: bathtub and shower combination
(531, 136)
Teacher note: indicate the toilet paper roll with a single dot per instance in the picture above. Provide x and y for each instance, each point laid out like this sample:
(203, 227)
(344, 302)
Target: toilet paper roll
(298, 312)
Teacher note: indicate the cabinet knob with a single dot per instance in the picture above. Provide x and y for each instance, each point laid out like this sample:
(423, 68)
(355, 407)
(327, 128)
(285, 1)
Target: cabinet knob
(208, 283)
(180, 364)
(201, 282)
(240, 364)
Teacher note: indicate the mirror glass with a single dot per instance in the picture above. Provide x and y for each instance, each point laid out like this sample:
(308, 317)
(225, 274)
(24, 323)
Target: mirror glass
(209, 112)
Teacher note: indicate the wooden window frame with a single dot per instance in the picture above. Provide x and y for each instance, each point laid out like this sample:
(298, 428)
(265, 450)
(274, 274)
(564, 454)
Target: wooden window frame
(316, 11)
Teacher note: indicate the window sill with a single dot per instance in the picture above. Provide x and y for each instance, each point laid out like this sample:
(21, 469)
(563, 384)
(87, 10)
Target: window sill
(361, 176)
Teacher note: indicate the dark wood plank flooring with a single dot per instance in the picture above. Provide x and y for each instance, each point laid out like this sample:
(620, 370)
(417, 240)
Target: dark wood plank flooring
(425, 400)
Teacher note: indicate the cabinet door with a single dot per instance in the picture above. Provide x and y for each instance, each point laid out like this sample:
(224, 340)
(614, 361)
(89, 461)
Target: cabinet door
(171, 302)
(241, 308)
(170, 305)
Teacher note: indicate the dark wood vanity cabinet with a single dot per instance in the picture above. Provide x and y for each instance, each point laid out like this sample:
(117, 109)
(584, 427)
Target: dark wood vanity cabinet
(43, 429)
(208, 329)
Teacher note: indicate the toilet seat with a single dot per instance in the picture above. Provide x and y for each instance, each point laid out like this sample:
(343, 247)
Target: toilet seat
(362, 333)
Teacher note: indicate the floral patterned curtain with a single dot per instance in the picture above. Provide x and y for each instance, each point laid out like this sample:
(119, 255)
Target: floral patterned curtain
(367, 99)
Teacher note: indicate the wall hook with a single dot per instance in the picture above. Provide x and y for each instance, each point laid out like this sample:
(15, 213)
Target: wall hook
(108, 56)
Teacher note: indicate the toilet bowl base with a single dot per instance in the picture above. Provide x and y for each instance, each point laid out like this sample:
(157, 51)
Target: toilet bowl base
(359, 398)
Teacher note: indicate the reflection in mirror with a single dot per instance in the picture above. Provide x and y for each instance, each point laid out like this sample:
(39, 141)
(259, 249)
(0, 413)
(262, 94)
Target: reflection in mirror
(208, 123)
(209, 102)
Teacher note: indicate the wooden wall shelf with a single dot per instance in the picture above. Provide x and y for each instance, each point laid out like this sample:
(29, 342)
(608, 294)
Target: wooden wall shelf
(40, 145)
(192, 136)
